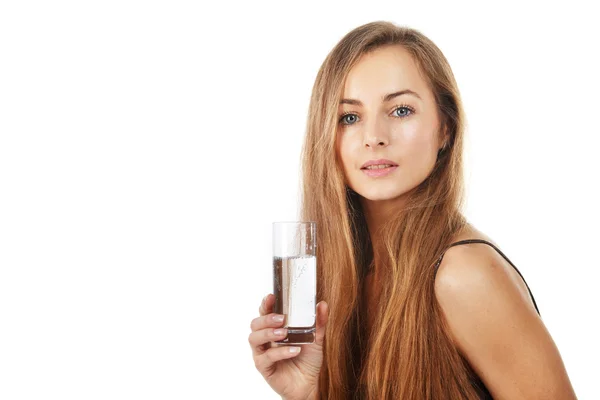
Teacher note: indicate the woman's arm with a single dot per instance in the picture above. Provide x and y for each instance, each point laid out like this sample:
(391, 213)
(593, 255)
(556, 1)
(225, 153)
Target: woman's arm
(497, 328)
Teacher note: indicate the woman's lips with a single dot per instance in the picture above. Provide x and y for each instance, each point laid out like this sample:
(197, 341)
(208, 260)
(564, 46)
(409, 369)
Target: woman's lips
(378, 172)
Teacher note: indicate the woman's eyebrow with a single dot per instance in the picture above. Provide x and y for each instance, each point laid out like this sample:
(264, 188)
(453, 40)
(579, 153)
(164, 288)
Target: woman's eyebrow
(385, 98)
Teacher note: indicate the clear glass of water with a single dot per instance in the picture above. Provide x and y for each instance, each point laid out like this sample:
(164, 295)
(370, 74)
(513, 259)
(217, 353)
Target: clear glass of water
(295, 279)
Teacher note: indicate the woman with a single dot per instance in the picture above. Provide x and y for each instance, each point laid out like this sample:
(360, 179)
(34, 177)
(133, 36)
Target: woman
(416, 302)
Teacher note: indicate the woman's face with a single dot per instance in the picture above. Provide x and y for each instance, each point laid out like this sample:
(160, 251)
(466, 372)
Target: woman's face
(403, 129)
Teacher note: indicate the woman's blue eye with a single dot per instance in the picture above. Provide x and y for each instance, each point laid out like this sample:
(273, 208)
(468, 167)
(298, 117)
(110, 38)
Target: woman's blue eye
(344, 118)
(405, 108)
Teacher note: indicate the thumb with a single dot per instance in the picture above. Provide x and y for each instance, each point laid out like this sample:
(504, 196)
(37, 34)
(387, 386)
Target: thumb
(322, 318)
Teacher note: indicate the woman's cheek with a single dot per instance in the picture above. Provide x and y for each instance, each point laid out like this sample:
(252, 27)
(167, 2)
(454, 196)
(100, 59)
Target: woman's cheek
(408, 133)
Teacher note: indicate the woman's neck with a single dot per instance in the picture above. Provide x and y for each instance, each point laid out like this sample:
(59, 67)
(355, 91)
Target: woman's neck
(377, 214)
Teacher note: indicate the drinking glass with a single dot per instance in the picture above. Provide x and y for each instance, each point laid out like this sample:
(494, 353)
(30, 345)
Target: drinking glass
(295, 279)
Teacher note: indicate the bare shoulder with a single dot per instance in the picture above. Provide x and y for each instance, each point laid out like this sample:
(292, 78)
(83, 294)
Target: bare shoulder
(482, 253)
(494, 324)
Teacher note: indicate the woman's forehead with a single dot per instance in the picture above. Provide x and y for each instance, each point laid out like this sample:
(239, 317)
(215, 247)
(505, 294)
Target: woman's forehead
(383, 71)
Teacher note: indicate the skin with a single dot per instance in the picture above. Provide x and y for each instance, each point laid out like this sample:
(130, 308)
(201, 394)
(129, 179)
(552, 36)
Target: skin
(292, 375)
(489, 311)
(494, 324)
(404, 129)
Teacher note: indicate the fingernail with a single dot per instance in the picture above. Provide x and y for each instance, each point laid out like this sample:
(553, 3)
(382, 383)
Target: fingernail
(279, 332)
(278, 318)
(294, 349)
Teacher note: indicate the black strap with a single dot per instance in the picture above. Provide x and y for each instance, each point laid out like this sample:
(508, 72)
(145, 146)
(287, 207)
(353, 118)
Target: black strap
(438, 262)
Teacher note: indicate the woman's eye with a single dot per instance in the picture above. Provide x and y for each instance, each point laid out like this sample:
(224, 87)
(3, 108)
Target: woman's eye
(407, 111)
(349, 119)
(345, 118)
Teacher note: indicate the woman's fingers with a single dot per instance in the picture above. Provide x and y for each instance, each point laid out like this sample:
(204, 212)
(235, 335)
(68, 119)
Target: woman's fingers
(264, 362)
(322, 318)
(266, 306)
(267, 329)
(271, 320)
(258, 338)
(263, 327)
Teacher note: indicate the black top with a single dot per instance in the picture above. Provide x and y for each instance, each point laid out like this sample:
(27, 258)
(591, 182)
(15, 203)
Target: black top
(476, 382)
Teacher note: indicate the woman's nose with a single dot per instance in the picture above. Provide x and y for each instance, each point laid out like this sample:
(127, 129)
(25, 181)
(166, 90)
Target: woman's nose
(375, 133)
(374, 140)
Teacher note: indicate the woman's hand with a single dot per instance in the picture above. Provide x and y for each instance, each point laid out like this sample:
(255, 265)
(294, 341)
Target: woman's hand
(292, 371)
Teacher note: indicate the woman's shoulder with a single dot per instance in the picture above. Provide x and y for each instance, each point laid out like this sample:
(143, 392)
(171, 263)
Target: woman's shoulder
(470, 231)
(494, 323)
(478, 261)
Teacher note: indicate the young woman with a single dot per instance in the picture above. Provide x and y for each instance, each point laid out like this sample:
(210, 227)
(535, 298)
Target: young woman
(416, 302)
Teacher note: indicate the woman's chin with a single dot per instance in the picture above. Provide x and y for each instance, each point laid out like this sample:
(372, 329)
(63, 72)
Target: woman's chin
(379, 195)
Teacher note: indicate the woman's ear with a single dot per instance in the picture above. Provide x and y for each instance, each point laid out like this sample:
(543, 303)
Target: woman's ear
(445, 139)
(444, 145)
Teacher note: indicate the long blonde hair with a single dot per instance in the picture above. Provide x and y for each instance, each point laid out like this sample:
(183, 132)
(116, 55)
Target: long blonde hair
(410, 354)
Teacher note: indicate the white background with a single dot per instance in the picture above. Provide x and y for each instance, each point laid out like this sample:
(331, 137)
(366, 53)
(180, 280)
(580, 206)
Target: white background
(146, 148)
